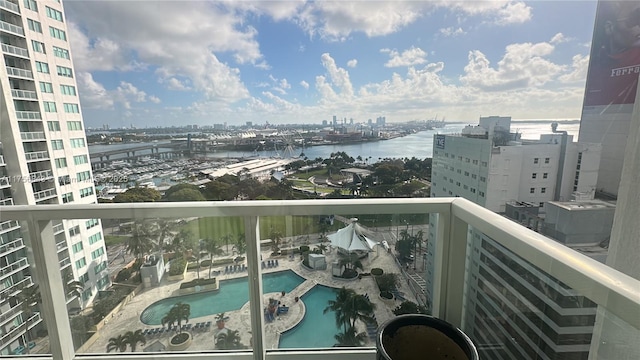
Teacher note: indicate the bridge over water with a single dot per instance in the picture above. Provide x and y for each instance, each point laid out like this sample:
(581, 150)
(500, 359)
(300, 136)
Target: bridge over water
(159, 151)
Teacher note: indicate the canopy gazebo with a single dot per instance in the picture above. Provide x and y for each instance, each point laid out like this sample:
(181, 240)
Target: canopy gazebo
(351, 238)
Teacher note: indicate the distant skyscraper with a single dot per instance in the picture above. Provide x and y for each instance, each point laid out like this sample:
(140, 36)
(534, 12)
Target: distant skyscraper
(325, 122)
(43, 157)
(249, 123)
(611, 85)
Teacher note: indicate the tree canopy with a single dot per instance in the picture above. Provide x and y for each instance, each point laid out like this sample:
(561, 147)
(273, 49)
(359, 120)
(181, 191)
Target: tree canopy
(138, 194)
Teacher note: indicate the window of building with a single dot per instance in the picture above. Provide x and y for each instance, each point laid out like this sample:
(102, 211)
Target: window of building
(545, 175)
(57, 145)
(481, 193)
(81, 263)
(53, 125)
(61, 53)
(459, 171)
(31, 5)
(83, 176)
(74, 125)
(91, 223)
(77, 247)
(46, 87)
(457, 183)
(57, 33)
(465, 187)
(451, 181)
(86, 295)
(64, 180)
(68, 90)
(450, 193)
(49, 106)
(543, 190)
(80, 159)
(42, 67)
(484, 163)
(77, 143)
(103, 282)
(467, 160)
(64, 71)
(53, 13)
(34, 25)
(71, 108)
(466, 173)
(473, 190)
(459, 158)
(483, 179)
(83, 278)
(534, 175)
(97, 253)
(37, 46)
(475, 162)
(546, 160)
(536, 160)
(60, 162)
(473, 176)
(67, 198)
(532, 190)
(95, 237)
(86, 192)
(100, 267)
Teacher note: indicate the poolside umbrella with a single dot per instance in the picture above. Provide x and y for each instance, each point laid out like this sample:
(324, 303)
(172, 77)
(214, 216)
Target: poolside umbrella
(352, 238)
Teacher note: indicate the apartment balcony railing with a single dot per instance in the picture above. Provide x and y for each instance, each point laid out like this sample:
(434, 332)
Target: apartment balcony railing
(8, 225)
(12, 29)
(29, 115)
(15, 332)
(4, 182)
(64, 262)
(15, 50)
(32, 136)
(21, 73)
(45, 194)
(5, 202)
(24, 94)
(12, 289)
(11, 246)
(57, 229)
(14, 267)
(40, 175)
(8, 5)
(37, 155)
(2, 160)
(617, 295)
(10, 314)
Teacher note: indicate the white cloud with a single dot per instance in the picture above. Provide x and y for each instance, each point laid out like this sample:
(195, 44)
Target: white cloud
(92, 93)
(352, 63)
(154, 99)
(558, 38)
(175, 84)
(522, 65)
(304, 84)
(411, 57)
(452, 32)
(514, 13)
(578, 72)
(338, 76)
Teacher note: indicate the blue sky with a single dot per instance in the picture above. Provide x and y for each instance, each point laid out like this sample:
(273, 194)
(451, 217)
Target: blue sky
(163, 63)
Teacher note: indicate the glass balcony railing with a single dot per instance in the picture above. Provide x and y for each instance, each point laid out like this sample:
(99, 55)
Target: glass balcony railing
(44, 194)
(4, 182)
(17, 72)
(8, 201)
(2, 160)
(24, 94)
(37, 155)
(33, 135)
(5, 4)
(15, 50)
(11, 247)
(5, 292)
(516, 293)
(28, 115)
(40, 175)
(13, 29)
(14, 267)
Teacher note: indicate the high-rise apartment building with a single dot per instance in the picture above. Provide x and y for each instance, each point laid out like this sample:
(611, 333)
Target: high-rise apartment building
(43, 158)
(511, 303)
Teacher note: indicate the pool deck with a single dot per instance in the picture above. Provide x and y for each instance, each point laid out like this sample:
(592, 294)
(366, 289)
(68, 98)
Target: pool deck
(128, 318)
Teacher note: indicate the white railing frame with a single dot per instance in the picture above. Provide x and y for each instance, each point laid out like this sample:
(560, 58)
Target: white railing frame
(618, 293)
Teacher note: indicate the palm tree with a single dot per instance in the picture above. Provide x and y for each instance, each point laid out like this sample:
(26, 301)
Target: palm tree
(141, 240)
(176, 315)
(322, 248)
(118, 343)
(350, 307)
(276, 236)
(229, 340)
(28, 297)
(338, 306)
(226, 239)
(165, 229)
(184, 240)
(213, 248)
(241, 245)
(350, 261)
(133, 338)
(350, 338)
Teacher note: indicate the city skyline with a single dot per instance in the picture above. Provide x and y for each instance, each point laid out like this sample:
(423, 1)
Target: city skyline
(294, 62)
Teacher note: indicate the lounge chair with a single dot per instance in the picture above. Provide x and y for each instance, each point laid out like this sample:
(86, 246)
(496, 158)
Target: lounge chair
(226, 269)
(31, 344)
(208, 324)
(276, 262)
(19, 350)
(283, 310)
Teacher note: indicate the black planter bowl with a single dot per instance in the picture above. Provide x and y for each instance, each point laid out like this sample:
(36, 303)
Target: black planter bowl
(422, 337)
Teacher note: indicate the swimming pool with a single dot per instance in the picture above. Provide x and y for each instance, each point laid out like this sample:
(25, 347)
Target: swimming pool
(316, 330)
(232, 295)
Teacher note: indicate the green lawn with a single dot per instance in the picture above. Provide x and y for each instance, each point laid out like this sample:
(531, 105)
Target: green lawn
(111, 240)
(218, 227)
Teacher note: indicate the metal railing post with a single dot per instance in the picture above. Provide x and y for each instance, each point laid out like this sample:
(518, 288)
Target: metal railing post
(252, 236)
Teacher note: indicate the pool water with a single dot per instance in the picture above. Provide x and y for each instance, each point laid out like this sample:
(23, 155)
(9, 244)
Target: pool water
(233, 294)
(316, 330)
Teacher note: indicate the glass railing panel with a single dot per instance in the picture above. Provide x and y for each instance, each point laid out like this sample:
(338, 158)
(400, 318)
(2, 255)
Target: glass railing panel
(15, 50)
(162, 286)
(514, 309)
(22, 327)
(331, 280)
(9, 6)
